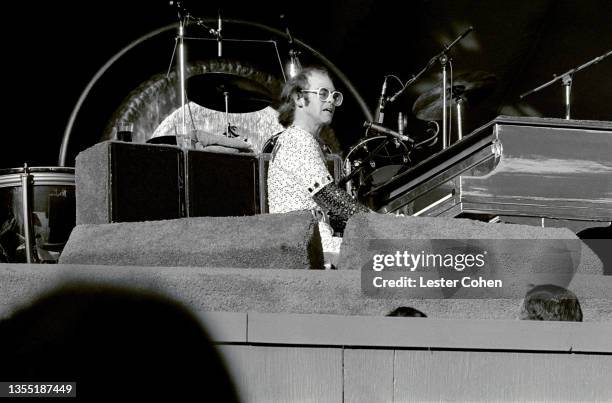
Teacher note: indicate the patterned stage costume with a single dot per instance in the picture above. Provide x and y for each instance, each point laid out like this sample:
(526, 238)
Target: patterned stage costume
(298, 179)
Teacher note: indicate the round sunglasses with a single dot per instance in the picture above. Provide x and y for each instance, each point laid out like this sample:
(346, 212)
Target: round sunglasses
(325, 95)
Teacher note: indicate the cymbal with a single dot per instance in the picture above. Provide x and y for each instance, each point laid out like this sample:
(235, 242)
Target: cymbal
(244, 95)
(471, 87)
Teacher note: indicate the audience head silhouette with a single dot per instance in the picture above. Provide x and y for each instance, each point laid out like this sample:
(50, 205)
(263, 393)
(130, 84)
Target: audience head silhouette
(407, 311)
(113, 342)
(551, 302)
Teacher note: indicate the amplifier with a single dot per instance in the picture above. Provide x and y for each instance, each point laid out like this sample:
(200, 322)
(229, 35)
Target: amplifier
(221, 184)
(123, 182)
(126, 182)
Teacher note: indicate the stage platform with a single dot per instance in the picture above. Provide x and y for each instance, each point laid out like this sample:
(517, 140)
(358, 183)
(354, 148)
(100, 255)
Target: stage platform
(312, 336)
(279, 291)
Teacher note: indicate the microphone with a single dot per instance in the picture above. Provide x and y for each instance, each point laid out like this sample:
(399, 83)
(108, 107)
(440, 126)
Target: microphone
(383, 129)
(293, 65)
(379, 116)
(463, 35)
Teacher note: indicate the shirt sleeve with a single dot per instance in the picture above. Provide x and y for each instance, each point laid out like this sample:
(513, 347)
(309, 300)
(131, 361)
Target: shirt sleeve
(303, 160)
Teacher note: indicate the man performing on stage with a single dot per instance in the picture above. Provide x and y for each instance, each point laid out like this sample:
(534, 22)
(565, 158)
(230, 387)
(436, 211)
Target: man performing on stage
(298, 178)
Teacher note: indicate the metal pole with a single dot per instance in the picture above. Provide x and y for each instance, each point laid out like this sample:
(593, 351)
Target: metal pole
(219, 37)
(443, 60)
(567, 85)
(181, 72)
(63, 153)
(227, 124)
(26, 180)
(459, 101)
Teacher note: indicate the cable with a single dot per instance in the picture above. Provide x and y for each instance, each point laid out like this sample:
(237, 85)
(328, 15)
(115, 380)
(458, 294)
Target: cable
(433, 137)
(396, 77)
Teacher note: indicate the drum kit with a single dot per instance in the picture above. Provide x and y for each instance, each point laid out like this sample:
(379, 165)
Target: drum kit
(37, 213)
(219, 91)
(375, 160)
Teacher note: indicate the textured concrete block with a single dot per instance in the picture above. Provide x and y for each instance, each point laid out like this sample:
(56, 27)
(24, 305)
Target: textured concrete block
(520, 255)
(282, 241)
(276, 290)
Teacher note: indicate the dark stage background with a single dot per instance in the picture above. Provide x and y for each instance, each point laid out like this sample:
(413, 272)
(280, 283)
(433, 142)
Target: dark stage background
(53, 49)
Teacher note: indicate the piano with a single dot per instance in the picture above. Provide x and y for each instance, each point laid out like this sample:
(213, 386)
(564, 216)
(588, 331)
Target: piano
(523, 169)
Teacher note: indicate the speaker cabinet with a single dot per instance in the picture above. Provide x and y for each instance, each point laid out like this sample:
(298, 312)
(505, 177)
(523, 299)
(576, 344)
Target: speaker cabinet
(127, 182)
(220, 184)
(123, 182)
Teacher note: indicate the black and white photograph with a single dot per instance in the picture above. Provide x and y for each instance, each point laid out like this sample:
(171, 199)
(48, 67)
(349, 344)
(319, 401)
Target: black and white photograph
(352, 201)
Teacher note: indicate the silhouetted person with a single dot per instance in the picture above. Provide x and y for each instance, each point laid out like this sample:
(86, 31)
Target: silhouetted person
(115, 343)
(551, 302)
(407, 311)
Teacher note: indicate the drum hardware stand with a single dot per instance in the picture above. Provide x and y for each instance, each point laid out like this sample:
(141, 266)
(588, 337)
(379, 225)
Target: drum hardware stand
(442, 58)
(227, 124)
(566, 80)
(359, 168)
(28, 228)
(401, 124)
(229, 132)
(349, 184)
(459, 100)
(184, 18)
(218, 35)
(567, 84)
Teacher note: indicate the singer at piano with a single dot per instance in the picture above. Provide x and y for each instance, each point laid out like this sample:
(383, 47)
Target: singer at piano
(298, 178)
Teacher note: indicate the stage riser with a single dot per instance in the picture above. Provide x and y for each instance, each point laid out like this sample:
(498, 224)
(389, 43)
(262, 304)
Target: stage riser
(277, 290)
(518, 248)
(281, 241)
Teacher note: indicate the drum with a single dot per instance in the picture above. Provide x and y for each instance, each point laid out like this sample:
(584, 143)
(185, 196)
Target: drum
(52, 210)
(388, 157)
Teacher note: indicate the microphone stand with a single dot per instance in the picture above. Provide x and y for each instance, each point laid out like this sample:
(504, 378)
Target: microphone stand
(566, 80)
(442, 58)
(219, 37)
(184, 18)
